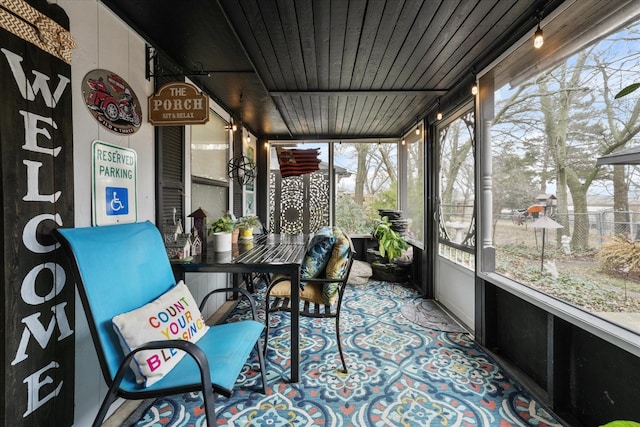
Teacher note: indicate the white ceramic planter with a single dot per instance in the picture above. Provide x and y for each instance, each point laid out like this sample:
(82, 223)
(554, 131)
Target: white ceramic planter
(222, 242)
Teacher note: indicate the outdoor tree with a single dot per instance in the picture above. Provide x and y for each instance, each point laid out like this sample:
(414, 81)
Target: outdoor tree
(375, 174)
(362, 151)
(558, 92)
(514, 180)
(415, 185)
(456, 164)
(559, 111)
(621, 133)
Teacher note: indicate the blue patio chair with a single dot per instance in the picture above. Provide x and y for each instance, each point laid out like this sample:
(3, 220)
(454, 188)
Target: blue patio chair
(119, 268)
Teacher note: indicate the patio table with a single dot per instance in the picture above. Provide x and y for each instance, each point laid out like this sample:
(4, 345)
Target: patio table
(266, 253)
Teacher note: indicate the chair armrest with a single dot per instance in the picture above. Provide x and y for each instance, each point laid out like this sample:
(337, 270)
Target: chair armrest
(342, 278)
(324, 280)
(279, 279)
(244, 292)
(188, 347)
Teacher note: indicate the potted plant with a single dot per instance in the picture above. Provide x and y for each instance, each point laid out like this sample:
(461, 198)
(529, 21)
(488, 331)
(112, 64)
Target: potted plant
(390, 242)
(391, 245)
(246, 225)
(221, 230)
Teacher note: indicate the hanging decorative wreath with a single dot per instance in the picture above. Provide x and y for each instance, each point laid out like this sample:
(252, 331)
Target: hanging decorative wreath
(242, 169)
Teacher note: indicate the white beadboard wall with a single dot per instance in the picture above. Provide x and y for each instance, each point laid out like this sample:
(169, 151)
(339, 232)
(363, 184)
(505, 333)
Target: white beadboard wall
(105, 42)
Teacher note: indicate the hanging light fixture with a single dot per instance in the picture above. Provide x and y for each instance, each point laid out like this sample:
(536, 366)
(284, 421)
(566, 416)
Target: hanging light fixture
(231, 127)
(538, 37)
(474, 87)
(417, 126)
(439, 113)
(403, 141)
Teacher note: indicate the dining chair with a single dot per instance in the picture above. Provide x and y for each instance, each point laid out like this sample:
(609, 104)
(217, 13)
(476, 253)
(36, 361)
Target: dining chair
(320, 296)
(130, 298)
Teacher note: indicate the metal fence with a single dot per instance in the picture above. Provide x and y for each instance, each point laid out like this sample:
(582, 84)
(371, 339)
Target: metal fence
(514, 228)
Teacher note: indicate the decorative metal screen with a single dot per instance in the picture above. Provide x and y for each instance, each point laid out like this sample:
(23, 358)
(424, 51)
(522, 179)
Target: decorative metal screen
(298, 204)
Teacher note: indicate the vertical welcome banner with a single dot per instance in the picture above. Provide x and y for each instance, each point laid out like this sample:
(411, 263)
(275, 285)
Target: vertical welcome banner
(36, 148)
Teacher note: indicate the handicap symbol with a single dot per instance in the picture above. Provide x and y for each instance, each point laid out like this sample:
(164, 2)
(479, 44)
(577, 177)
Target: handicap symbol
(116, 198)
(116, 204)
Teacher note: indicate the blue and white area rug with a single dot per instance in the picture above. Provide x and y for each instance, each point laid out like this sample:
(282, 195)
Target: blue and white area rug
(400, 374)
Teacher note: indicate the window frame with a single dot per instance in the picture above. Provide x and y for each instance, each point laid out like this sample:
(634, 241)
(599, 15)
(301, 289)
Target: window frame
(485, 251)
(403, 180)
(192, 179)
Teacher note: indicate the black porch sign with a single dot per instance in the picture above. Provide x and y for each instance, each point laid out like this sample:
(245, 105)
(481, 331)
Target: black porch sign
(37, 304)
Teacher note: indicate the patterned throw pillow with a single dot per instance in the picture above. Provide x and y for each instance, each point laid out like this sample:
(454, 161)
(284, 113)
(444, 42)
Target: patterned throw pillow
(336, 266)
(318, 253)
(173, 315)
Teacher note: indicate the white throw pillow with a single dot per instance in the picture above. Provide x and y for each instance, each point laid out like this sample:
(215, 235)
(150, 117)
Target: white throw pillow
(173, 315)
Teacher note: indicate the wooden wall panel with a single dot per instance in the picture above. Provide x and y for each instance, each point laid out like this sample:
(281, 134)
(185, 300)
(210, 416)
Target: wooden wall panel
(38, 297)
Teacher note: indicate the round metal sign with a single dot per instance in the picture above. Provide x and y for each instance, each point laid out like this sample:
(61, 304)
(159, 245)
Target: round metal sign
(111, 101)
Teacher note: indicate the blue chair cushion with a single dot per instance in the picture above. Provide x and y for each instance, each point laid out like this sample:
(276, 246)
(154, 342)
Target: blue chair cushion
(230, 343)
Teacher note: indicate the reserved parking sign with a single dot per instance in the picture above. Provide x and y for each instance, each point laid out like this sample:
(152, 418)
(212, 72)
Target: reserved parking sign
(114, 184)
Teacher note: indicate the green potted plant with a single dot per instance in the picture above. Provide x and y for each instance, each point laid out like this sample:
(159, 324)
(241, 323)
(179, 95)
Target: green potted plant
(246, 225)
(391, 245)
(221, 230)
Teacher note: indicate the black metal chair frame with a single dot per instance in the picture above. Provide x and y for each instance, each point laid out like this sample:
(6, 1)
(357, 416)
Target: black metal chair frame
(310, 308)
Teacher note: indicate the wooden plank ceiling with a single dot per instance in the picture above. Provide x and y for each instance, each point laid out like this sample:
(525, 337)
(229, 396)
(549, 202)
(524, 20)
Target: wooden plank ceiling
(339, 69)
